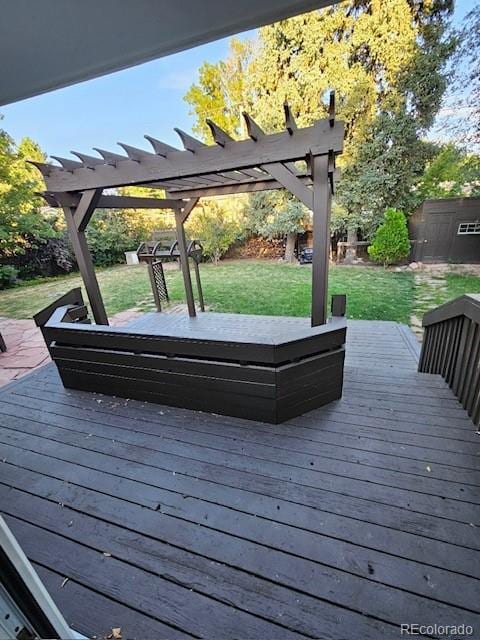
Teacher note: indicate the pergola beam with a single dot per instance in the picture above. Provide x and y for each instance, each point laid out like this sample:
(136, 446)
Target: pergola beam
(85, 208)
(55, 199)
(241, 155)
(290, 124)
(189, 142)
(253, 130)
(291, 182)
(220, 136)
(233, 188)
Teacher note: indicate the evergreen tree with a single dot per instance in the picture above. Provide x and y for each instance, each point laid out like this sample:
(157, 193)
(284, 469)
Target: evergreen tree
(386, 61)
(390, 243)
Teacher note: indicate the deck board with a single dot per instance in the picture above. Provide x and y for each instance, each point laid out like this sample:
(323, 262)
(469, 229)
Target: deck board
(341, 523)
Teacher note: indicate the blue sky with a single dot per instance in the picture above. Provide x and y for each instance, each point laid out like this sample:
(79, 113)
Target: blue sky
(122, 106)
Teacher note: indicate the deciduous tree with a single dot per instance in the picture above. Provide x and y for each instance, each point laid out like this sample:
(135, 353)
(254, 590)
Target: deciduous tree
(386, 61)
(21, 222)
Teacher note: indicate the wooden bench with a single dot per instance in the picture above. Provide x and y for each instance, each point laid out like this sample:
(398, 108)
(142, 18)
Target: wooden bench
(255, 367)
(164, 246)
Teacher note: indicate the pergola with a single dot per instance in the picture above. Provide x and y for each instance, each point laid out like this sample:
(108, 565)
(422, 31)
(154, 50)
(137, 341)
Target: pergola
(302, 161)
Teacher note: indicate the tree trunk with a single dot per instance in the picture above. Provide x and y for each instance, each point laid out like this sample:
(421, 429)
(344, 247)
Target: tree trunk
(351, 251)
(290, 247)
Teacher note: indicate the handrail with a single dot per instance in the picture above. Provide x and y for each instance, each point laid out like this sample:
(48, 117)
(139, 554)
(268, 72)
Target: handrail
(451, 348)
(468, 305)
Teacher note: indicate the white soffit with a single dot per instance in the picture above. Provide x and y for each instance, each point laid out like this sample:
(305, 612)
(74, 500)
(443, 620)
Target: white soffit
(48, 44)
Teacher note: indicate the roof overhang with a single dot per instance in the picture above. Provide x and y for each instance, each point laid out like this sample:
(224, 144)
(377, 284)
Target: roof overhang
(48, 44)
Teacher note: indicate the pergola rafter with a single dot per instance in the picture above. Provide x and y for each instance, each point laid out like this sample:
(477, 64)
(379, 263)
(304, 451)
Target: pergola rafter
(261, 162)
(204, 163)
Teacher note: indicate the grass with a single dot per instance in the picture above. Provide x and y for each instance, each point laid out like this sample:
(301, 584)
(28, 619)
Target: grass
(459, 283)
(250, 286)
(432, 290)
(272, 288)
(259, 287)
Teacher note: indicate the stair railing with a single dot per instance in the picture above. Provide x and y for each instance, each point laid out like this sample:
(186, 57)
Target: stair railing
(451, 348)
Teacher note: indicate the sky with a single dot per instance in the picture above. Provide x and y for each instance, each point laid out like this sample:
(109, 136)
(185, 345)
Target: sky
(123, 106)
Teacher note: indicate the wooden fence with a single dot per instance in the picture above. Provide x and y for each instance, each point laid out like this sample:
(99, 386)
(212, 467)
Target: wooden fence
(451, 348)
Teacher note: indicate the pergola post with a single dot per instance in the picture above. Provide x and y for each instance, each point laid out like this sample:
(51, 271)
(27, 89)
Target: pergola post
(199, 285)
(180, 219)
(85, 265)
(77, 218)
(321, 238)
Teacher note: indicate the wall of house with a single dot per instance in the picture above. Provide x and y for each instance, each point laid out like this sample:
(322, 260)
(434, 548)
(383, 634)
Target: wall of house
(434, 231)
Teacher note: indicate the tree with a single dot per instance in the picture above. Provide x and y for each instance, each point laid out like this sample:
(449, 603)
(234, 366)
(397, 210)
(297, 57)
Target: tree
(452, 172)
(387, 165)
(215, 227)
(22, 224)
(386, 169)
(386, 61)
(390, 243)
(111, 232)
(462, 111)
(277, 215)
(221, 93)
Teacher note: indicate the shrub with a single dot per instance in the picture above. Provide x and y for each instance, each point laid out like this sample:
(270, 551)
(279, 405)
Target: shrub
(51, 257)
(390, 242)
(112, 232)
(216, 228)
(8, 276)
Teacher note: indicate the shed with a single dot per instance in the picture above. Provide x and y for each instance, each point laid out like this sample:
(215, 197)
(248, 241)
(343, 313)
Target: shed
(446, 230)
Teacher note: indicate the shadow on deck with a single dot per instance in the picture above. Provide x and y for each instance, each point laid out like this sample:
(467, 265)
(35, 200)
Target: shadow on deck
(343, 523)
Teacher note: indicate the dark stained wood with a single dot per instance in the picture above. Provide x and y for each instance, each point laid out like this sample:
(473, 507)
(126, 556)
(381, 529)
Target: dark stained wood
(247, 184)
(341, 523)
(198, 281)
(220, 136)
(113, 202)
(321, 238)
(339, 305)
(235, 338)
(211, 363)
(451, 348)
(180, 219)
(253, 129)
(72, 297)
(229, 166)
(290, 124)
(101, 611)
(85, 265)
(85, 208)
(290, 181)
(168, 163)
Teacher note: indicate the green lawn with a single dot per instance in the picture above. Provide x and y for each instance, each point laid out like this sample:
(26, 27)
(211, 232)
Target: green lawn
(435, 289)
(250, 286)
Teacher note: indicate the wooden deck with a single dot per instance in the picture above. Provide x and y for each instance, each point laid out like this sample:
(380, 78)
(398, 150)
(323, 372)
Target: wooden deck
(340, 524)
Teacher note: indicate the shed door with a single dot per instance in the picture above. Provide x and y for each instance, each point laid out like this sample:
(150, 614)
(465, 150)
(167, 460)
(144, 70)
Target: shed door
(438, 236)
